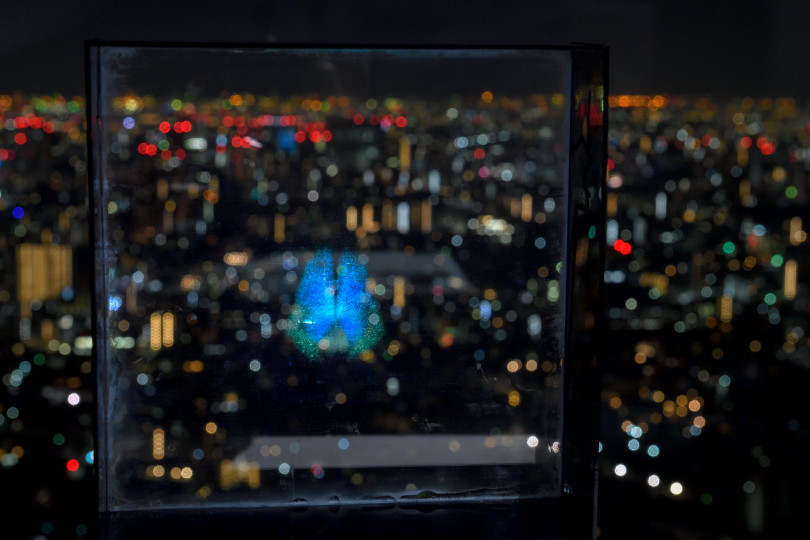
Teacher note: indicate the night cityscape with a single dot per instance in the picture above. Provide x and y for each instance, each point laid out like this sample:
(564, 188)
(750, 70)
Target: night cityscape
(229, 205)
(704, 295)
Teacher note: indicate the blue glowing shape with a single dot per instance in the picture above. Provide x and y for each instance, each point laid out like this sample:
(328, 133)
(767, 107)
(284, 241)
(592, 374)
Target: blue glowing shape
(18, 212)
(129, 122)
(334, 315)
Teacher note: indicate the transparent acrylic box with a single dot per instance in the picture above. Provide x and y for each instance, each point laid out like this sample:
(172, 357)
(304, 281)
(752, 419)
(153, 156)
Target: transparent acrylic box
(330, 281)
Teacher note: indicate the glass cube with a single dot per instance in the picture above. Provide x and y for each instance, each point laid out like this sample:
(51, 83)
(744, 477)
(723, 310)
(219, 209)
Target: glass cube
(332, 281)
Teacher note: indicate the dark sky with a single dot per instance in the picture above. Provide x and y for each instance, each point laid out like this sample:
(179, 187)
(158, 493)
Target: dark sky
(720, 47)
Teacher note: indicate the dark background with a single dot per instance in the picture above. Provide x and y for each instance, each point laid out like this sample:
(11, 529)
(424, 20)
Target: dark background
(687, 46)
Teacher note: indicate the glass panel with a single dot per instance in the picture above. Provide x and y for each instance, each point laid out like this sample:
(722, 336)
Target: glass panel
(329, 274)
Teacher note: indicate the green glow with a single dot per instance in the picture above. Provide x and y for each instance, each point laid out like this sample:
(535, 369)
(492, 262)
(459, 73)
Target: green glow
(706, 498)
(177, 104)
(791, 192)
(770, 299)
(729, 247)
(777, 260)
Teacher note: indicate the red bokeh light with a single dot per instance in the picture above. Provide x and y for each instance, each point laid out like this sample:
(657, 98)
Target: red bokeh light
(72, 465)
(622, 247)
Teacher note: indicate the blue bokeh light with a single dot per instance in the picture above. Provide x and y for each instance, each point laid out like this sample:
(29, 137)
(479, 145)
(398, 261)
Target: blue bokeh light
(115, 303)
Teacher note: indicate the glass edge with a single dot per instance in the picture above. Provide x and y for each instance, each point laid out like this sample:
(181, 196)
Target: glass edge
(97, 264)
(585, 263)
